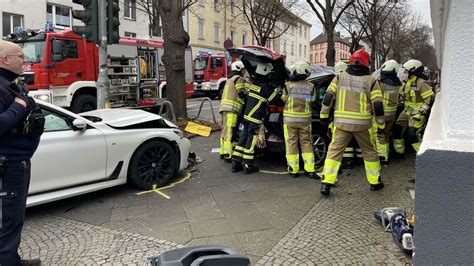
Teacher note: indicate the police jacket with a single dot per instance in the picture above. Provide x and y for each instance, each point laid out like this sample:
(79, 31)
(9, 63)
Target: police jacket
(260, 93)
(356, 98)
(298, 96)
(417, 94)
(390, 86)
(14, 147)
(233, 95)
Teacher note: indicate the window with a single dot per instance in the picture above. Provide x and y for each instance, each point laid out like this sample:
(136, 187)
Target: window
(232, 7)
(130, 9)
(299, 50)
(301, 30)
(216, 5)
(284, 46)
(316, 57)
(311, 58)
(58, 15)
(321, 58)
(304, 50)
(216, 33)
(10, 21)
(216, 62)
(69, 49)
(232, 35)
(244, 38)
(130, 34)
(292, 48)
(201, 29)
(305, 32)
(293, 29)
(54, 122)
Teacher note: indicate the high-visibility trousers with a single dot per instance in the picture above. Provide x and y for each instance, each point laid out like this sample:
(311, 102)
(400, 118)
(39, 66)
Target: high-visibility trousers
(382, 141)
(245, 149)
(228, 125)
(405, 124)
(340, 139)
(298, 133)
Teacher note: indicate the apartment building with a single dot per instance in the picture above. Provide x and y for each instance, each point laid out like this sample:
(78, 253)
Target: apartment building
(319, 46)
(34, 14)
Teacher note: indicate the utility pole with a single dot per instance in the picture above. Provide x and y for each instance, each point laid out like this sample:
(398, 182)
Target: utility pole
(103, 81)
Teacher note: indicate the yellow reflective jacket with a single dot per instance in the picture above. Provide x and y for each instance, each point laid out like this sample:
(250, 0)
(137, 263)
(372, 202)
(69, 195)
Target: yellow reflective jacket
(298, 96)
(390, 100)
(417, 94)
(231, 101)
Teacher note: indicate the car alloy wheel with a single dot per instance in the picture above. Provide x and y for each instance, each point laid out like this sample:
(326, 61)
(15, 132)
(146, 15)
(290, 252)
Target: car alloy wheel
(153, 164)
(320, 148)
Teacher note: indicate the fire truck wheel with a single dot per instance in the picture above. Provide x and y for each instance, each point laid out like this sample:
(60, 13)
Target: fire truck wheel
(84, 103)
(154, 163)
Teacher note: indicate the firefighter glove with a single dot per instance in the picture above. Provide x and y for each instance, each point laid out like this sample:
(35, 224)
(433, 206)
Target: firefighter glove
(261, 141)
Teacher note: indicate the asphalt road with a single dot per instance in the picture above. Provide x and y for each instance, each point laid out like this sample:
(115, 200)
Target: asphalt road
(194, 104)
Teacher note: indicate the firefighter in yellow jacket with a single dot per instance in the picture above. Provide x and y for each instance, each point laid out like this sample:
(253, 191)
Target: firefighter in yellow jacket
(233, 98)
(356, 98)
(298, 95)
(417, 95)
(390, 85)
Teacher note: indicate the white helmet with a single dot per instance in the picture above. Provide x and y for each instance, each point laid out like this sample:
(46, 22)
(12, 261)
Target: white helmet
(264, 68)
(237, 66)
(340, 67)
(412, 65)
(302, 68)
(390, 66)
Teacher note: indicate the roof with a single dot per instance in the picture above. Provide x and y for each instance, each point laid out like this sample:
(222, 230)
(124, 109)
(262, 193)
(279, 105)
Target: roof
(322, 38)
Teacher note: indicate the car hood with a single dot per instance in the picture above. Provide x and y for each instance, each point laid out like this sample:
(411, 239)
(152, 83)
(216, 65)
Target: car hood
(119, 117)
(250, 55)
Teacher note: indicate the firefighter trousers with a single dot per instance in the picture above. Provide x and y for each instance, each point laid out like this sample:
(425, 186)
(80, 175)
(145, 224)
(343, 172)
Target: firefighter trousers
(228, 125)
(407, 126)
(340, 139)
(245, 149)
(383, 140)
(298, 133)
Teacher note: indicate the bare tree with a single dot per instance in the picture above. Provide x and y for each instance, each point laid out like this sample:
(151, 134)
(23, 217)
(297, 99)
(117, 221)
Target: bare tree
(264, 15)
(352, 24)
(150, 7)
(329, 15)
(176, 39)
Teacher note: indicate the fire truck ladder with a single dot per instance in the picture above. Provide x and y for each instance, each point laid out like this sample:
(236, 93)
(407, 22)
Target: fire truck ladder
(206, 99)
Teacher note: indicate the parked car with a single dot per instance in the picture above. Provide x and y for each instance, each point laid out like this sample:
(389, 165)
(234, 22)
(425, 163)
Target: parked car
(81, 153)
(320, 76)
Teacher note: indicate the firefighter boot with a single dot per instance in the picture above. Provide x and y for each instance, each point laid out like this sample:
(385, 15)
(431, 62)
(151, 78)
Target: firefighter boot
(325, 189)
(236, 166)
(32, 262)
(249, 169)
(378, 186)
(311, 175)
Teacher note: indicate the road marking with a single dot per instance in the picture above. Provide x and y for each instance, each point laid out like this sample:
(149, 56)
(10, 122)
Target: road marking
(158, 190)
(215, 150)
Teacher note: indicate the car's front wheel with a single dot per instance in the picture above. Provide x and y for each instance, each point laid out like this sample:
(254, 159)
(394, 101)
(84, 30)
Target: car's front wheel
(320, 147)
(153, 164)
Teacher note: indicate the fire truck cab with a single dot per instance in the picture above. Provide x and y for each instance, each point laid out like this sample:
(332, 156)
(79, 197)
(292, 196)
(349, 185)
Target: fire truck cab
(62, 68)
(210, 73)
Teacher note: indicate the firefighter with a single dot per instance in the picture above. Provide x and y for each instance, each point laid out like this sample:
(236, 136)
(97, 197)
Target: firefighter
(417, 96)
(231, 107)
(261, 91)
(298, 95)
(390, 85)
(356, 97)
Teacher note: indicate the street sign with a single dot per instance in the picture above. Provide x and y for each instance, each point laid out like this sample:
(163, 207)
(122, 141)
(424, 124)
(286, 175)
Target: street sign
(228, 43)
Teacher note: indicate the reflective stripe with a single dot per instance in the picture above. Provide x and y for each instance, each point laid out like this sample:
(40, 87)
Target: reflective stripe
(427, 94)
(323, 115)
(352, 121)
(332, 87)
(363, 103)
(295, 119)
(375, 94)
(255, 88)
(296, 114)
(253, 120)
(258, 97)
(275, 92)
(300, 96)
(353, 115)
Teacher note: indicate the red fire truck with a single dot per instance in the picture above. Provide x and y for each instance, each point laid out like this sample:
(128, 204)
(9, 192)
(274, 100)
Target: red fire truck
(210, 74)
(62, 68)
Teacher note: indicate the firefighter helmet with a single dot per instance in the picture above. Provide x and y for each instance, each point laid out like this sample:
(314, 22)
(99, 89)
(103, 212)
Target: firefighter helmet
(237, 66)
(264, 68)
(412, 65)
(302, 68)
(360, 57)
(340, 67)
(390, 66)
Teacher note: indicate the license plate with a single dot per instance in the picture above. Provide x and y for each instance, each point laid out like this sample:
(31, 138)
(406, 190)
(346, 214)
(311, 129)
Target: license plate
(274, 117)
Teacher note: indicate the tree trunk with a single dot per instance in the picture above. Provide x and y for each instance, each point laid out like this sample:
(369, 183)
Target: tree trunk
(373, 44)
(173, 58)
(330, 51)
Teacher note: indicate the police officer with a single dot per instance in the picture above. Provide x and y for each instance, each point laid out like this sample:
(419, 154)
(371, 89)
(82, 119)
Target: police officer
(16, 150)
(261, 91)
(417, 95)
(233, 98)
(298, 96)
(356, 98)
(390, 85)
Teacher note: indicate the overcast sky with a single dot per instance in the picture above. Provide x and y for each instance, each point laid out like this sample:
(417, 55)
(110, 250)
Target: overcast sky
(420, 6)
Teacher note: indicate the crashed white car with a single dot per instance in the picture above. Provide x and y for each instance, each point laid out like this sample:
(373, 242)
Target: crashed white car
(82, 153)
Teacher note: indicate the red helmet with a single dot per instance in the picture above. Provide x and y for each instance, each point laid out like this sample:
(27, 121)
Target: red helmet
(360, 57)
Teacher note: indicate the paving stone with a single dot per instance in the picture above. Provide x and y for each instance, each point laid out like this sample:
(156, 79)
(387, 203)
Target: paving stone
(213, 227)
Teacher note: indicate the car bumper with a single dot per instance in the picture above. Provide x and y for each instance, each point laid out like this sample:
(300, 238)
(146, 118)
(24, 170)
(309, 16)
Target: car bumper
(184, 148)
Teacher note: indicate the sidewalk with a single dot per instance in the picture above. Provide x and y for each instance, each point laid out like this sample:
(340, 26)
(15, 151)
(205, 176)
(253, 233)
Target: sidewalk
(271, 218)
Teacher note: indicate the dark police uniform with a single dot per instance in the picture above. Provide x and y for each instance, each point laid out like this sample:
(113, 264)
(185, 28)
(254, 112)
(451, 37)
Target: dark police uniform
(15, 174)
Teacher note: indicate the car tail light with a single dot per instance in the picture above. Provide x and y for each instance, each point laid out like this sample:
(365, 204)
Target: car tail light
(275, 109)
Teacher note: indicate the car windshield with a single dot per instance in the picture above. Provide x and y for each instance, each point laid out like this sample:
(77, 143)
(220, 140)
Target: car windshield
(200, 63)
(33, 51)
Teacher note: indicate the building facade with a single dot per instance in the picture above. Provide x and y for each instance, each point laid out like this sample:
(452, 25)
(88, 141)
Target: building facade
(34, 14)
(317, 54)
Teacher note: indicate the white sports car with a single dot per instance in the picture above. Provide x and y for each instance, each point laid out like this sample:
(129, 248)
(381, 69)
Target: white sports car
(82, 153)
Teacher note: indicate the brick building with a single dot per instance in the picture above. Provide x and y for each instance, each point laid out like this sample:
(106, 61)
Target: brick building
(318, 46)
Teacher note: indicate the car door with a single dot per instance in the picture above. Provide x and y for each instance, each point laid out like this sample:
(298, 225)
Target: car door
(70, 67)
(66, 157)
